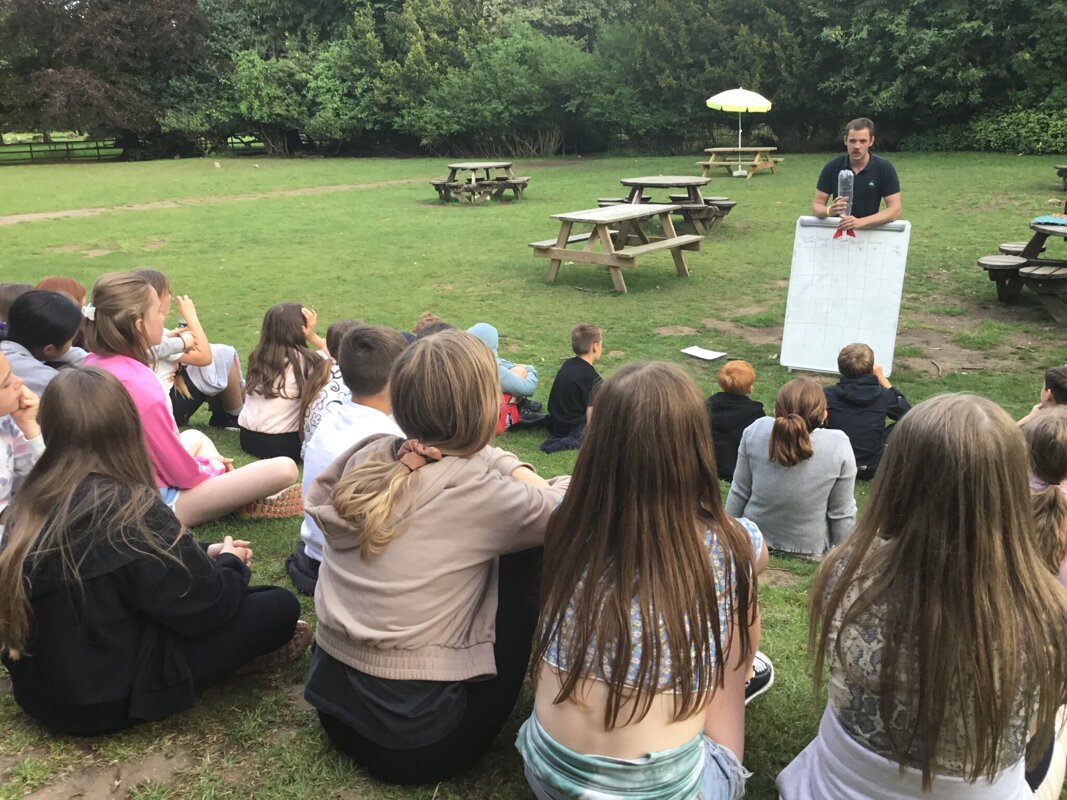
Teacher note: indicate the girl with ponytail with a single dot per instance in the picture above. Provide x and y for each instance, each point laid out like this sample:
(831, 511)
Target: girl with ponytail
(794, 478)
(1046, 438)
(427, 596)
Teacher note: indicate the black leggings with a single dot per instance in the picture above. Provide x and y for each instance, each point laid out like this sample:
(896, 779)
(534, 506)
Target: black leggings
(271, 445)
(489, 703)
(265, 622)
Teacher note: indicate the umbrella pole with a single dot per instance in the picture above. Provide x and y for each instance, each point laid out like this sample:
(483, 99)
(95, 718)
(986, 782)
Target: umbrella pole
(738, 141)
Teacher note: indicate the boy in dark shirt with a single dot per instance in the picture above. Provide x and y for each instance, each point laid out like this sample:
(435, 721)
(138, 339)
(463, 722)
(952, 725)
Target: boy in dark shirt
(859, 404)
(730, 412)
(572, 390)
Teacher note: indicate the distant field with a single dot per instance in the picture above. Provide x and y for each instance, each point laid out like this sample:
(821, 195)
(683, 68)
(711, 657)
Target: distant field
(367, 239)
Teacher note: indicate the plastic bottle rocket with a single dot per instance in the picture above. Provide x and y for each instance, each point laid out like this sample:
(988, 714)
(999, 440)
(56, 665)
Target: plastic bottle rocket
(846, 182)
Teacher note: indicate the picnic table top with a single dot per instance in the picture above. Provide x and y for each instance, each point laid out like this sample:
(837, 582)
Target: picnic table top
(740, 149)
(1049, 230)
(619, 213)
(665, 181)
(481, 165)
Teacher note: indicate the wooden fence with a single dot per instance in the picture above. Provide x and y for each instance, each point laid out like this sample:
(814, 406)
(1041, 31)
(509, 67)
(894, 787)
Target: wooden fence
(41, 153)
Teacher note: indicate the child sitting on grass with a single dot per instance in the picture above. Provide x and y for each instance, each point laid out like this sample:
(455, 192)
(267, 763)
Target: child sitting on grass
(427, 594)
(41, 329)
(1053, 393)
(334, 394)
(859, 404)
(284, 377)
(194, 479)
(365, 357)
(573, 387)
(20, 437)
(110, 613)
(1046, 438)
(730, 412)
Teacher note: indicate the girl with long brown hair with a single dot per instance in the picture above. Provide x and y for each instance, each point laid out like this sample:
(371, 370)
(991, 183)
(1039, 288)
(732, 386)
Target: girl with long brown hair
(794, 478)
(939, 622)
(125, 322)
(427, 593)
(1046, 439)
(649, 621)
(110, 613)
(284, 377)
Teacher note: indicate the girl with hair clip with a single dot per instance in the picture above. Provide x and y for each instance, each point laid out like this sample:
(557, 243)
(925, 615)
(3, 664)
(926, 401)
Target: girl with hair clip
(1046, 439)
(794, 478)
(284, 377)
(939, 623)
(126, 321)
(427, 593)
(110, 613)
(649, 622)
(192, 370)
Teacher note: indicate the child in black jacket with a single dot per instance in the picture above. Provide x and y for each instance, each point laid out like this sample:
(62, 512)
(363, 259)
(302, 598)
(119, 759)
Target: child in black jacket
(730, 412)
(859, 404)
(110, 613)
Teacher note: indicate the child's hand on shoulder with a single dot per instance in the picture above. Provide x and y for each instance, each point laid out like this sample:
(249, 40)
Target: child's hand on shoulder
(26, 415)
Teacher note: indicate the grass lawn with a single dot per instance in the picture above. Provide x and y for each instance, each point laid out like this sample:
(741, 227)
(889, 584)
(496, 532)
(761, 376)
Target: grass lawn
(367, 239)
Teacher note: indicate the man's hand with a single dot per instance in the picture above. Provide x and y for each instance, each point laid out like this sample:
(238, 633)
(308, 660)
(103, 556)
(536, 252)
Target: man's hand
(838, 207)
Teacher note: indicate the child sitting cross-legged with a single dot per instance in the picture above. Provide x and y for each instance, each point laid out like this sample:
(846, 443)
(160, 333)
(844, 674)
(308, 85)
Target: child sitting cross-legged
(41, 329)
(859, 404)
(110, 613)
(572, 389)
(649, 620)
(730, 412)
(365, 356)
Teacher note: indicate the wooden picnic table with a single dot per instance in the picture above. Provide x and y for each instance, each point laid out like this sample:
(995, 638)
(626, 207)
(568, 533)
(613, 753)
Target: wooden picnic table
(619, 246)
(477, 181)
(754, 159)
(696, 213)
(1046, 277)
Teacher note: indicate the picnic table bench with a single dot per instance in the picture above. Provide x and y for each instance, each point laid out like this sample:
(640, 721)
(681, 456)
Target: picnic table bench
(755, 159)
(698, 216)
(477, 181)
(631, 223)
(1046, 277)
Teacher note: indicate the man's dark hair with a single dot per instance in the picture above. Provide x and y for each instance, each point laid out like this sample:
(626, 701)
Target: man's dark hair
(366, 356)
(39, 318)
(859, 124)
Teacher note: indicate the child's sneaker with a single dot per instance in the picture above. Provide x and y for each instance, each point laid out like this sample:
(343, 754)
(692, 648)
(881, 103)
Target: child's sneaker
(287, 503)
(762, 677)
(290, 651)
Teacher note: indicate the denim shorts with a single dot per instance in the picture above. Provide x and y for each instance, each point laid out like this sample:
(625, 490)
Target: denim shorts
(723, 778)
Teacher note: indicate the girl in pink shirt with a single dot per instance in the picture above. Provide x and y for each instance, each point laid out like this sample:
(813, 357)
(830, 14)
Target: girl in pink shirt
(125, 320)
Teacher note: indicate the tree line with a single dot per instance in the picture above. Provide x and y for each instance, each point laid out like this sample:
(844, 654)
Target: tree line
(533, 77)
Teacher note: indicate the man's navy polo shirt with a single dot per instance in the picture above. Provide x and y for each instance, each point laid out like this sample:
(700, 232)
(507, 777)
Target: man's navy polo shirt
(877, 180)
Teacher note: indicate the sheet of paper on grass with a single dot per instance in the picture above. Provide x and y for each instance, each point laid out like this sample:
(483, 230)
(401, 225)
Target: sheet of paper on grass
(702, 353)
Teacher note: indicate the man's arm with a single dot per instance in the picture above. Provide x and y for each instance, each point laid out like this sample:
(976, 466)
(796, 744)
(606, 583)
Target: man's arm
(890, 213)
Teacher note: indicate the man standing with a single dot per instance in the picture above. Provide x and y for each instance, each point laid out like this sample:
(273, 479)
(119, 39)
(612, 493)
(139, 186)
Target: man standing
(875, 179)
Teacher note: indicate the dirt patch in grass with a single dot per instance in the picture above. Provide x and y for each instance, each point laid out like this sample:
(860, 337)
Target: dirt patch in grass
(115, 780)
(97, 252)
(155, 244)
(676, 330)
(616, 353)
(211, 200)
(997, 203)
(757, 336)
(773, 576)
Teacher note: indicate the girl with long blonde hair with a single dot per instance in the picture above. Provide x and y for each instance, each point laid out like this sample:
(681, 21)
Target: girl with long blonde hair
(938, 621)
(427, 593)
(110, 613)
(794, 478)
(125, 322)
(649, 621)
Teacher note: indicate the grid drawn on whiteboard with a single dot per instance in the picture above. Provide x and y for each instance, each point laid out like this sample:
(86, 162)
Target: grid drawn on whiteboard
(841, 291)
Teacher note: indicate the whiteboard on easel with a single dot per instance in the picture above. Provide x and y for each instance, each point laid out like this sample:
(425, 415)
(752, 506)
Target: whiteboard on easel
(841, 291)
